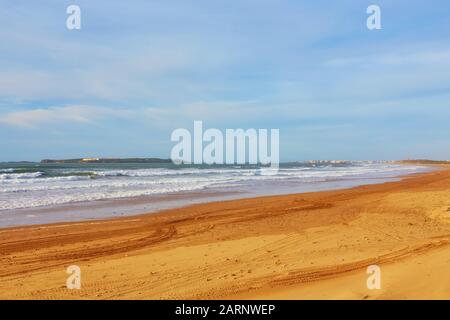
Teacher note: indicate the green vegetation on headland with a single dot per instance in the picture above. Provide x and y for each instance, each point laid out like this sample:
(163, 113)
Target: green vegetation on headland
(109, 160)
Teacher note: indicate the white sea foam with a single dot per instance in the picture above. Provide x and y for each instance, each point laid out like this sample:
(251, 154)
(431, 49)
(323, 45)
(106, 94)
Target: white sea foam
(15, 176)
(69, 185)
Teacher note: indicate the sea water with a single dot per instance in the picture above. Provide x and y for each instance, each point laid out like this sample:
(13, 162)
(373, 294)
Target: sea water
(33, 193)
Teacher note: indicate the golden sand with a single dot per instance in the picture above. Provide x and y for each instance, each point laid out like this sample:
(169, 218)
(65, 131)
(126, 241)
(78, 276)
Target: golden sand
(303, 246)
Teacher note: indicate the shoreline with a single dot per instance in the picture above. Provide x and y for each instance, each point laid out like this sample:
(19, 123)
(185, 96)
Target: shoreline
(96, 210)
(248, 248)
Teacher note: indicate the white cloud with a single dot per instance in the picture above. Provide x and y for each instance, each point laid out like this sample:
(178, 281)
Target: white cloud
(408, 56)
(57, 115)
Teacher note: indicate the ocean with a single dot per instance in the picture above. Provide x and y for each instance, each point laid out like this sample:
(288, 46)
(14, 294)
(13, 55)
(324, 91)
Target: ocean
(33, 193)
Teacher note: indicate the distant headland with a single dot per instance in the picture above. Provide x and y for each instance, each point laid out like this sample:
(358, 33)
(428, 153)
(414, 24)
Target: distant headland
(108, 160)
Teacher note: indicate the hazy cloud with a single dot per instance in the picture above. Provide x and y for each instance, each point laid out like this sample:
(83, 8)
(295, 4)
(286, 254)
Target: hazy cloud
(59, 115)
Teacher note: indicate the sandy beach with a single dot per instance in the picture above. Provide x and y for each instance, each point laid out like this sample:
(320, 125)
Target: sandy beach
(302, 246)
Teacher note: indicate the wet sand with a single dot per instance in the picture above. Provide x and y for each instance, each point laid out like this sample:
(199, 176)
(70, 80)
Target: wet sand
(302, 246)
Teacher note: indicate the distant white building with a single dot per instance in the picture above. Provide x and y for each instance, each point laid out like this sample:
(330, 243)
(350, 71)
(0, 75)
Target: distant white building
(90, 159)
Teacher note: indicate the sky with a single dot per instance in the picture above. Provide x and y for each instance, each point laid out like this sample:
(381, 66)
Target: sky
(138, 70)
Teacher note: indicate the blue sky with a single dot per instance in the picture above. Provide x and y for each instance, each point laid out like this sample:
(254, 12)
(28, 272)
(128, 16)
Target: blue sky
(138, 70)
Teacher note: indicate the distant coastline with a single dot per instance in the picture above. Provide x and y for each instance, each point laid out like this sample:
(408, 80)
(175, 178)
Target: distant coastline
(161, 160)
(108, 160)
